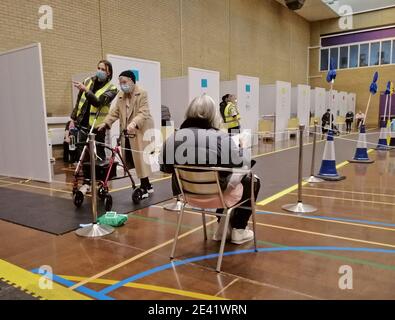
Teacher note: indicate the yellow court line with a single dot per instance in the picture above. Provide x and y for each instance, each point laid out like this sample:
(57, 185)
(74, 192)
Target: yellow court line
(344, 199)
(183, 293)
(9, 184)
(331, 221)
(307, 144)
(354, 192)
(30, 282)
(295, 187)
(134, 258)
(45, 188)
(327, 235)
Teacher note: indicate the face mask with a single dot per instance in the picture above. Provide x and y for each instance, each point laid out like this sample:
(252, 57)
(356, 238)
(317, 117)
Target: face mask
(126, 88)
(101, 75)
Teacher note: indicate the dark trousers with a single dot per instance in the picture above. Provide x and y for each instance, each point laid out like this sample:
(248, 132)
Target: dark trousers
(240, 216)
(348, 124)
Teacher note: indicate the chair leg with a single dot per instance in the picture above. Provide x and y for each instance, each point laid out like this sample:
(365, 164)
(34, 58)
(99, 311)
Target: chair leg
(204, 226)
(253, 209)
(179, 222)
(224, 232)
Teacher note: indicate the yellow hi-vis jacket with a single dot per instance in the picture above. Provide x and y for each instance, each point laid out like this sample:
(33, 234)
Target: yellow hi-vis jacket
(93, 110)
(232, 116)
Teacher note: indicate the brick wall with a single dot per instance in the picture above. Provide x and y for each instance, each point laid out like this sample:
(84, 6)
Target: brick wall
(252, 37)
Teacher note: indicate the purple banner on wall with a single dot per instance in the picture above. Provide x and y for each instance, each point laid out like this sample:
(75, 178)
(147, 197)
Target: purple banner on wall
(358, 37)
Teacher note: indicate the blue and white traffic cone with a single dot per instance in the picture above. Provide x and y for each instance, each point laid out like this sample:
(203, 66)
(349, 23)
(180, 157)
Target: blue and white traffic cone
(382, 145)
(361, 154)
(328, 169)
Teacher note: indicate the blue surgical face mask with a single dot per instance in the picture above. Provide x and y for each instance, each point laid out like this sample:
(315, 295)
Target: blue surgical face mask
(126, 88)
(101, 75)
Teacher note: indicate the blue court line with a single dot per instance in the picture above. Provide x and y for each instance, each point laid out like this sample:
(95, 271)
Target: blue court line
(213, 256)
(68, 284)
(375, 223)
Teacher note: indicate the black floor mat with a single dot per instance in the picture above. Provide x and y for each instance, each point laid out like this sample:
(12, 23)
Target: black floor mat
(8, 292)
(59, 216)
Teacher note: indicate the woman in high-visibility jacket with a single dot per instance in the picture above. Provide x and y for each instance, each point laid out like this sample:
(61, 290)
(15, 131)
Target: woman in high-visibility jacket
(95, 95)
(232, 115)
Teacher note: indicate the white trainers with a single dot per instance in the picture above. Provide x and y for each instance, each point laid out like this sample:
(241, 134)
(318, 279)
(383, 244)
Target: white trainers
(240, 236)
(218, 234)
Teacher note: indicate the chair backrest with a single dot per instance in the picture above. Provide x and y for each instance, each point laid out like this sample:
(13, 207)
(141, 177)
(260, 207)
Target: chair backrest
(293, 123)
(198, 181)
(340, 120)
(265, 125)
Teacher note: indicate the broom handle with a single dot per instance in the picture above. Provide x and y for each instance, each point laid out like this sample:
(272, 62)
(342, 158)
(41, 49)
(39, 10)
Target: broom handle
(367, 109)
(385, 109)
(331, 104)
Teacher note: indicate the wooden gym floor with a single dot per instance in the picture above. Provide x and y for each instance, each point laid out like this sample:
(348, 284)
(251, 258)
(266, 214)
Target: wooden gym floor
(299, 257)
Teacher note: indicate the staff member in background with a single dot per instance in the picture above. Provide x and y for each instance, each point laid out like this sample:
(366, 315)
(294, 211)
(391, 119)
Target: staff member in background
(222, 106)
(166, 116)
(349, 120)
(360, 117)
(133, 112)
(231, 114)
(95, 94)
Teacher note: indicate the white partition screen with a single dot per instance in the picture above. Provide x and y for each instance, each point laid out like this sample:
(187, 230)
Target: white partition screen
(175, 97)
(247, 91)
(351, 102)
(148, 78)
(24, 146)
(248, 102)
(342, 98)
(318, 102)
(332, 102)
(283, 108)
(203, 82)
(304, 104)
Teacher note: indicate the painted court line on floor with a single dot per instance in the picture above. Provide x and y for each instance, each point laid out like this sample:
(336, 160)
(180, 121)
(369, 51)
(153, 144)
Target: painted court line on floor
(99, 275)
(30, 282)
(353, 192)
(183, 293)
(329, 256)
(326, 235)
(346, 199)
(213, 256)
(291, 189)
(353, 222)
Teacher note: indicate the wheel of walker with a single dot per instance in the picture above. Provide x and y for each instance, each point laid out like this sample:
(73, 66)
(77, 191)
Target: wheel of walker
(137, 196)
(102, 192)
(78, 199)
(108, 203)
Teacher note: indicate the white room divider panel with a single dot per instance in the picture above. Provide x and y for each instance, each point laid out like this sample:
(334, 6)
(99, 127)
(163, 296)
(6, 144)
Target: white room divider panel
(177, 93)
(276, 100)
(247, 91)
(24, 147)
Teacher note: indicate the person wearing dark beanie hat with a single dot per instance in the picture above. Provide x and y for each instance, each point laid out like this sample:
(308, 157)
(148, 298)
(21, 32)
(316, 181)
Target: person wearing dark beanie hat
(132, 110)
(129, 74)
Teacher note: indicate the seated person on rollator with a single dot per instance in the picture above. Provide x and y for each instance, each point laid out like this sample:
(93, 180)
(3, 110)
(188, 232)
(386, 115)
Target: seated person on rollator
(326, 121)
(203, 144)
(95, 95)
(133, 112)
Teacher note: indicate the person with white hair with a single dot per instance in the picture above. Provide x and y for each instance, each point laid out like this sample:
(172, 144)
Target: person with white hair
(200, 142)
